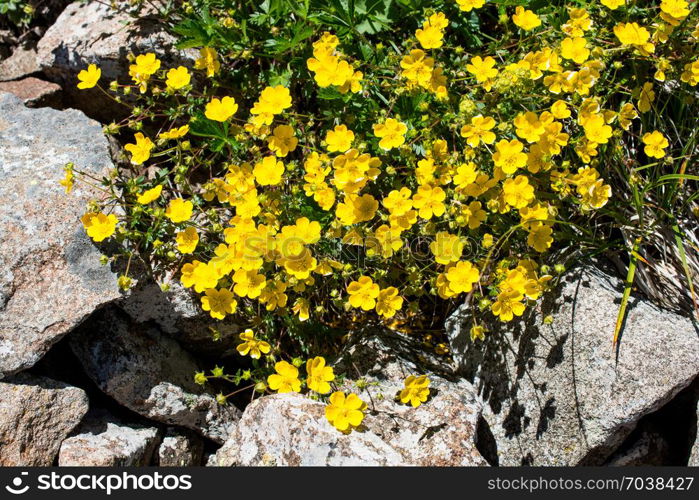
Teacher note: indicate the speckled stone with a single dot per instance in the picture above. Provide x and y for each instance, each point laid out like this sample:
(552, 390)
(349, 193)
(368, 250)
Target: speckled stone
(292, 430)
(178, 313)
(36, 415)
(557, 392)
(180, 448)
(149, 373)
(50, 275)
(34, 92)
(101, 440)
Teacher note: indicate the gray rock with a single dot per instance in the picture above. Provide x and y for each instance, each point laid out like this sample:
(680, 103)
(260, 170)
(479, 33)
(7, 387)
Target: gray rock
(694, 454)
(180, 449)
(36, 414)
(292, 430)
(35, 93)
(441, 432)
(178, 313)
(558, 393)
(50, 274)
(97, 33)
(149, 373)
(101, 440)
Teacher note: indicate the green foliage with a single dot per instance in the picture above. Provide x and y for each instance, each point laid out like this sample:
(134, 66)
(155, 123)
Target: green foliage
(16, 12)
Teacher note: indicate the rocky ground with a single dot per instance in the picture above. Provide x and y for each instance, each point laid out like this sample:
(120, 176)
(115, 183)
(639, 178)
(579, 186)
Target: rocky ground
(92, 376)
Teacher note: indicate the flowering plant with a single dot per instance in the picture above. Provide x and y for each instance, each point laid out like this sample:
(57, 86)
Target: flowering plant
(351, 178)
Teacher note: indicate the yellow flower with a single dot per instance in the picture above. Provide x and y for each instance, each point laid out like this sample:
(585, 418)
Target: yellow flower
(634, 35)
(627, 113)
(477, 333)
(388, 302)
(269, 171)
(417, 68)
(177, 78)
(344, 412)
(560, 110)
(473, 214)
(302, 309)
(282, 141)
(430, 37)
(483, 69)
(517, 191)
(612, 4)
(208, 60)
(187, 240)
(273, 101)
(529, 127)
(676, 9)
(255, 348)
(219, 303)
(69, 179)
(596, 129)
(99, 226)
(539, 236)
(174, 133)
(150, 195)
(392, 133)
(356, 209)
(575, 49)
(525, 19)
(469, 5)
(146, 65)
(438, 20)
(479, 131)
(398, 202)
(446, 248)
(248, 283)
(462, 276)
(655, 144)
(363, 293)
(286, 379)
(221, 110)
(179, 210)
(429, 201)
(508, 305)
(339, 139)
(199, 275)
(140, 152)
(646, 97)
(319, 375)
(416, 390)
(509, 156)
(578, 23)
(89, 77)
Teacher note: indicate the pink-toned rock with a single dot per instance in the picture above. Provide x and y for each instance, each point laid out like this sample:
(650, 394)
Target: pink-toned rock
(33, 92)
(51, 278)
(291, 430)
(103, 33)
(23, 62)
(36, 415)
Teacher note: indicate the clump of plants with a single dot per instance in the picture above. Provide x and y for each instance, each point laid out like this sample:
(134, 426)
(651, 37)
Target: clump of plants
(321, 172)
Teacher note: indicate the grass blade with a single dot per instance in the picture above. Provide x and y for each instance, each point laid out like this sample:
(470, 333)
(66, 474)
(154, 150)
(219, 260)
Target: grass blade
(633, 260)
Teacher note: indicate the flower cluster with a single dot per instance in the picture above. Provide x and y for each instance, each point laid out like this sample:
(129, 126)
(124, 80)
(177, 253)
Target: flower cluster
(363, 189)
(330, 68)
